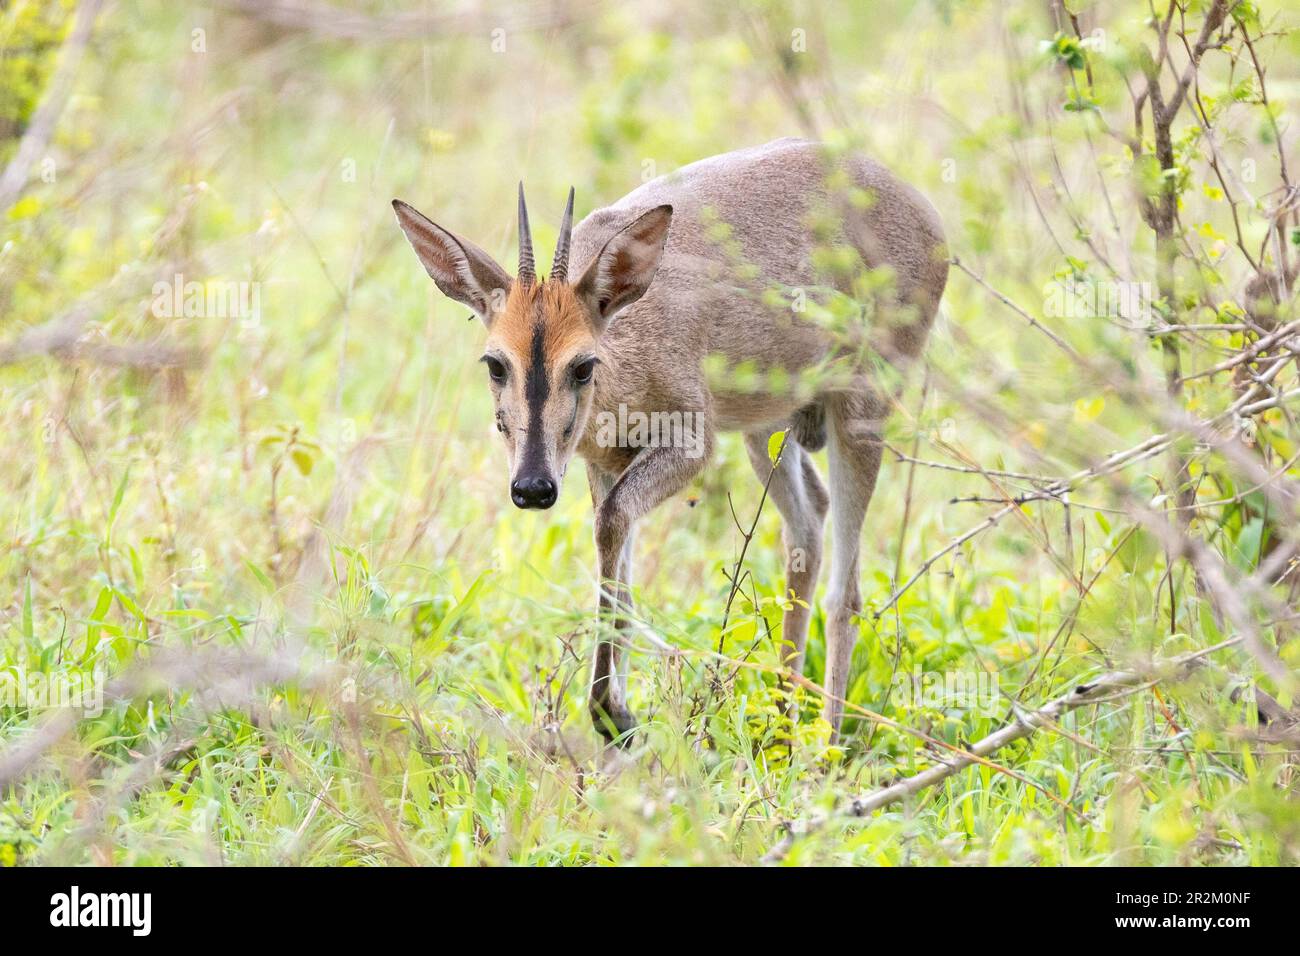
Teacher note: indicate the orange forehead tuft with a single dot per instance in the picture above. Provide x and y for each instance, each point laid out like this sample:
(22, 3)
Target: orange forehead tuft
(552, 305)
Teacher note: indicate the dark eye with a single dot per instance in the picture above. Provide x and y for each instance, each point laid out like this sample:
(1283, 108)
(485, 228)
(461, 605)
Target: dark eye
(582, 372)
(496, 369)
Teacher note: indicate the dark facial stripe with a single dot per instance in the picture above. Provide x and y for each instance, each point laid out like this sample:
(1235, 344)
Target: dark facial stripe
(537, 389)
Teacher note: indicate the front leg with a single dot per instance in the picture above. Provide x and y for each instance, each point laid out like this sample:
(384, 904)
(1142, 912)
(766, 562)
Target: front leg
(607, 700)
(654, 475)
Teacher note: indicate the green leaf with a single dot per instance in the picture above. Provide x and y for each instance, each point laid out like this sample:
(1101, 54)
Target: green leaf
(302, 460)
(1067, 50)
(458, 611)
(129, 603)
(95, 626)
(775, 445)
(118, 495)
(29, 629)
(25, 208)
(261, 576)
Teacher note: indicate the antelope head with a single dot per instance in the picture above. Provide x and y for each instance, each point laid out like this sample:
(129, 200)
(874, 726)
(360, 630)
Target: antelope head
(543, 350)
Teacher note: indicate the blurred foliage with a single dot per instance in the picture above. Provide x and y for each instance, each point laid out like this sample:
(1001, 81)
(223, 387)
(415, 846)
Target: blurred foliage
(31, 32)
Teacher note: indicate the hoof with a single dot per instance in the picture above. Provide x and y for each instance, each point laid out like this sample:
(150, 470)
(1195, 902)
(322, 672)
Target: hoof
(615, 726)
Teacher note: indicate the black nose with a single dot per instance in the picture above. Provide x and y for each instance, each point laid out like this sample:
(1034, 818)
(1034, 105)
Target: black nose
(533, 493)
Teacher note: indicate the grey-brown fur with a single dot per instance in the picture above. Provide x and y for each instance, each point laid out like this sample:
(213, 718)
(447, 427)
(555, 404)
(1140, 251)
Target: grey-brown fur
(707, 298)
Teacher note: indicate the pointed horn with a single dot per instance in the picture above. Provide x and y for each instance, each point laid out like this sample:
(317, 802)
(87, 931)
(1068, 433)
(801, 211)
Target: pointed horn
(527, 269)
(560, 268)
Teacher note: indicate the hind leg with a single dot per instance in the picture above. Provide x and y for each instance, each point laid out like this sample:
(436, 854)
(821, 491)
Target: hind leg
(800, 497)
(854, 423)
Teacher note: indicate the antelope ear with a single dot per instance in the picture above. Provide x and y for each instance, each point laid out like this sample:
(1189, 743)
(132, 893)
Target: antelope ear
(625, 267)
(462, 270)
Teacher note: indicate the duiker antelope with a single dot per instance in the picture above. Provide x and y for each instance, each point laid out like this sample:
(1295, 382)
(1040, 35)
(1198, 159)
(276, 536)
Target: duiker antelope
(677, 271)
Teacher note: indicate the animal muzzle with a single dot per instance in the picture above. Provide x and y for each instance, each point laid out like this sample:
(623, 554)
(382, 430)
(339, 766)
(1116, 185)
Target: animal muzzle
(533, 491)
